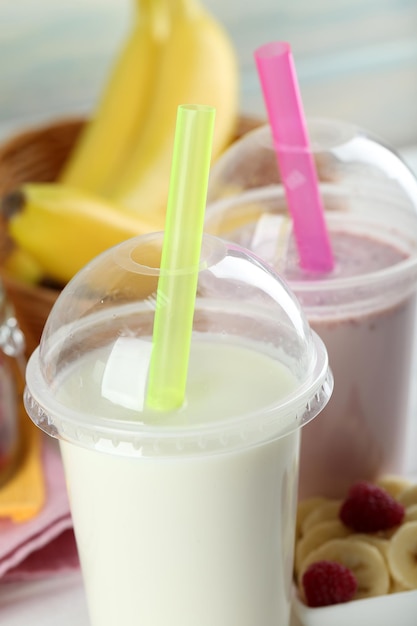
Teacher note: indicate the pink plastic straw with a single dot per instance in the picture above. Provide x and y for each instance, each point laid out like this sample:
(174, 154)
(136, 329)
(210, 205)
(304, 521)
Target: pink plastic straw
(296, 164)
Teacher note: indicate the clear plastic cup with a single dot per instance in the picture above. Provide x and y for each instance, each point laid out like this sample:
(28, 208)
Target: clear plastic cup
(184, 517)
(365, 310)
(347, 158)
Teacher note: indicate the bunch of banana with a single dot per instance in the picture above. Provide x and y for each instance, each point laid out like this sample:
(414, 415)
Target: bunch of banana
(177, 53)
(62, 228)
(22, 266)
(122, 109)
(115, 182)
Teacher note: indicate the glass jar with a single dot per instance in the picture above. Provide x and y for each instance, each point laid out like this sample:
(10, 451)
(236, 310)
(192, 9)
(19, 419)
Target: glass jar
(12, 365)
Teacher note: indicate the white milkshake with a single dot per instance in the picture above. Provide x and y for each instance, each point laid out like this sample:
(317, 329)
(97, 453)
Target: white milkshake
(183, 517)
(209, 538)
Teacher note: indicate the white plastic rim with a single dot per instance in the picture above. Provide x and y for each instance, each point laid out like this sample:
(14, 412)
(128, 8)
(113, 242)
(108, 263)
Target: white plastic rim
(268, 423)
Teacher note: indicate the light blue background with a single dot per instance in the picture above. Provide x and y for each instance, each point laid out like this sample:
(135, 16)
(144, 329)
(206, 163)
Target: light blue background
(356, 59)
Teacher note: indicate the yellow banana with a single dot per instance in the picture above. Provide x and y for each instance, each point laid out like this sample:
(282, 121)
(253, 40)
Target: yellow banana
(402, 555)
(123, 105)
(22, 266)
(197, 65)
(64, 228)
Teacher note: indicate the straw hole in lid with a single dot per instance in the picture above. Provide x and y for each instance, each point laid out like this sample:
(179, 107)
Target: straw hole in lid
(202, 443)
(115, 442)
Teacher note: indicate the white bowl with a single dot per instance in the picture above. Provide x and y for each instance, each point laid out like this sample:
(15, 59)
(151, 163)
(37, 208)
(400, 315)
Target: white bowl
(395, 609)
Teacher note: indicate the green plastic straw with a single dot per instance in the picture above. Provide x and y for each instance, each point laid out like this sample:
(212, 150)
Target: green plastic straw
(177, 284)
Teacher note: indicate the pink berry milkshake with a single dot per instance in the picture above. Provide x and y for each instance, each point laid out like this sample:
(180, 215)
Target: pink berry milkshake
(364, 311)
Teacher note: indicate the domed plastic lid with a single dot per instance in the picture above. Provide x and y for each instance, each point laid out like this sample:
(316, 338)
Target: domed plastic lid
(256, 370)
(370, 201)
(347, 157)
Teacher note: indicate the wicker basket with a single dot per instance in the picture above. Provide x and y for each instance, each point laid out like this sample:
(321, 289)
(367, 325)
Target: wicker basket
(35, 155)
(38, 155)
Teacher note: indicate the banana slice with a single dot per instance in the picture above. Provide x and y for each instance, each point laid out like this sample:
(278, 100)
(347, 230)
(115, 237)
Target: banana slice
(411, 513)
(388, 532)
(402, 555)
(393, 484)
(305, 507)
(316, 536)
(396, 587)
(363, 559)
(379, 542)
(324, 512)
(409, 496)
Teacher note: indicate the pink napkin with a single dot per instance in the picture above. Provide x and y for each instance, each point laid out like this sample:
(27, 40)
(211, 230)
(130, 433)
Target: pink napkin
(45, 544)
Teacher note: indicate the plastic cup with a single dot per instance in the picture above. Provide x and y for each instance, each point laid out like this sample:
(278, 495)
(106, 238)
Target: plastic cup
(365, 310)
(183, 517)
(347, 157)
(12, 366)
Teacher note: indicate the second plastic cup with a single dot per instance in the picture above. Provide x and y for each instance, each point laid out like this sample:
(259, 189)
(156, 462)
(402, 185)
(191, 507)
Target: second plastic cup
(365, 312)
(183, 517)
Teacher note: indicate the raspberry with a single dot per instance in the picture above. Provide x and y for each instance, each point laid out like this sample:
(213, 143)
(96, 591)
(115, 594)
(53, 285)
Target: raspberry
(369, 508)
(326, 582)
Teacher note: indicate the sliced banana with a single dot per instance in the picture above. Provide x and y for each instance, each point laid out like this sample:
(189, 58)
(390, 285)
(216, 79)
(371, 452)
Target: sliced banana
(402, 555)
(411, 513)
(409, 496)
(324, 512)
(387, 533)
(396, 587)
(393, 484)
(316, 536)
(305, 507)
(381, 543)
(363, 559)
